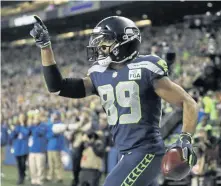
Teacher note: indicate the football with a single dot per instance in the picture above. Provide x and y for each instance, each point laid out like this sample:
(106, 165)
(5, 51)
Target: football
(173, 166)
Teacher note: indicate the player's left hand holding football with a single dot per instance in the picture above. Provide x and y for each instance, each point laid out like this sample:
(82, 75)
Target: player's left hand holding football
(185, 143)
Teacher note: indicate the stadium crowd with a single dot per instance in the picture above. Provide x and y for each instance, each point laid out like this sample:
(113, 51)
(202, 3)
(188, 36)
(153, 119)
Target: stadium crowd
(30, 113)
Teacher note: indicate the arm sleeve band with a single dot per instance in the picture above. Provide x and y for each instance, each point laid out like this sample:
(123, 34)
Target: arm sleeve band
(67, 87)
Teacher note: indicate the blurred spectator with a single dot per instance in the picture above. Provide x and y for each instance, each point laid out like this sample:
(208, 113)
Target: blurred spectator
(83, 125)
(19, 136)
(199, 169)
(4, 141)
(73, 133)
(91, 161)
(108, 142)
(219, 151)
(209, 102)
(208, 156)
(37, 150)
(211, 152)
(204, 124)
(76, 156)
(54, 148)
(76, 159)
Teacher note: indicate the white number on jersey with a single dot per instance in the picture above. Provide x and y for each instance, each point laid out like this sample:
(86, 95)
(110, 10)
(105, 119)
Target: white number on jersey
(127, 95)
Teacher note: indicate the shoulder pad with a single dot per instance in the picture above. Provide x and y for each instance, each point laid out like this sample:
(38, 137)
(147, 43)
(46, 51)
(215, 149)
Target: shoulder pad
(151, 62)
(96, 68)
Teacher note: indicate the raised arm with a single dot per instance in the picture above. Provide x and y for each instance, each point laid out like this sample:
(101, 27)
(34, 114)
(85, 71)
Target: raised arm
(66, 87)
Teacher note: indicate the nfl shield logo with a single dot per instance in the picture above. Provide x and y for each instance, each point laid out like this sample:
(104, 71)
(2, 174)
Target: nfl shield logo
(114, 74)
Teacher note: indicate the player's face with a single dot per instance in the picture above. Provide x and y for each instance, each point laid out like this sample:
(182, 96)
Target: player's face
(104, 44)
(105, 48)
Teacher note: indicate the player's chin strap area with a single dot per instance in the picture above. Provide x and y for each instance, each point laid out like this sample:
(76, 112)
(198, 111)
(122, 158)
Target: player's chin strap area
(106, 61)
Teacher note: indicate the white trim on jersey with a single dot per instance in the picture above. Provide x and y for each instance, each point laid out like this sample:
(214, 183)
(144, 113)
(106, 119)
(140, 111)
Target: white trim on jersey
(148, 65)
(96, 68)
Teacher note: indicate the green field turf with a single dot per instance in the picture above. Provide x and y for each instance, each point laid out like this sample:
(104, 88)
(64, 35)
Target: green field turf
(10, 178)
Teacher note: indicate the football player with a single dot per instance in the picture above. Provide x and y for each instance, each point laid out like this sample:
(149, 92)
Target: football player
(130, 87)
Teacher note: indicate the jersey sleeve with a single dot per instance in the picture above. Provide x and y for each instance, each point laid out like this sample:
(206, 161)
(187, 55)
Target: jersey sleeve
(159, 69)
(91, 75)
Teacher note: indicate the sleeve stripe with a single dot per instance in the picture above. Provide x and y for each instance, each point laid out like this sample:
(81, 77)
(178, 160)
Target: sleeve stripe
(148, 65)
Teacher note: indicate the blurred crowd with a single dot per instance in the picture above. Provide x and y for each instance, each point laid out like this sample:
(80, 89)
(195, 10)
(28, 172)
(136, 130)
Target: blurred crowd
(38, 132)
(36, 123)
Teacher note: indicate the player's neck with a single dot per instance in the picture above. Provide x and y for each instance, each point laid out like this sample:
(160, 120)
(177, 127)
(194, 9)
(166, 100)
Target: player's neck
(117, 66)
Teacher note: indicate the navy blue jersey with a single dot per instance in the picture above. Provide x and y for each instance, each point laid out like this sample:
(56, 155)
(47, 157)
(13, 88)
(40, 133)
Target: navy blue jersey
(133, 108)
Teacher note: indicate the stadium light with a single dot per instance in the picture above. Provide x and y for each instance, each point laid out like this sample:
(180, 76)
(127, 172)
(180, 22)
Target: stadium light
(18, 42)
(58, 2)
(88, 31)
(66, 35)
(24, 20)
(208, 13)
(81, 33)
(144, 16)
(209, 5)
(142, 23)
(118, 12)
(22, 42)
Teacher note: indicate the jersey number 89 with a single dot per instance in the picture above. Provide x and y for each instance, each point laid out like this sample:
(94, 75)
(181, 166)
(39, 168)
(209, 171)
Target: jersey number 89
(127, 95)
